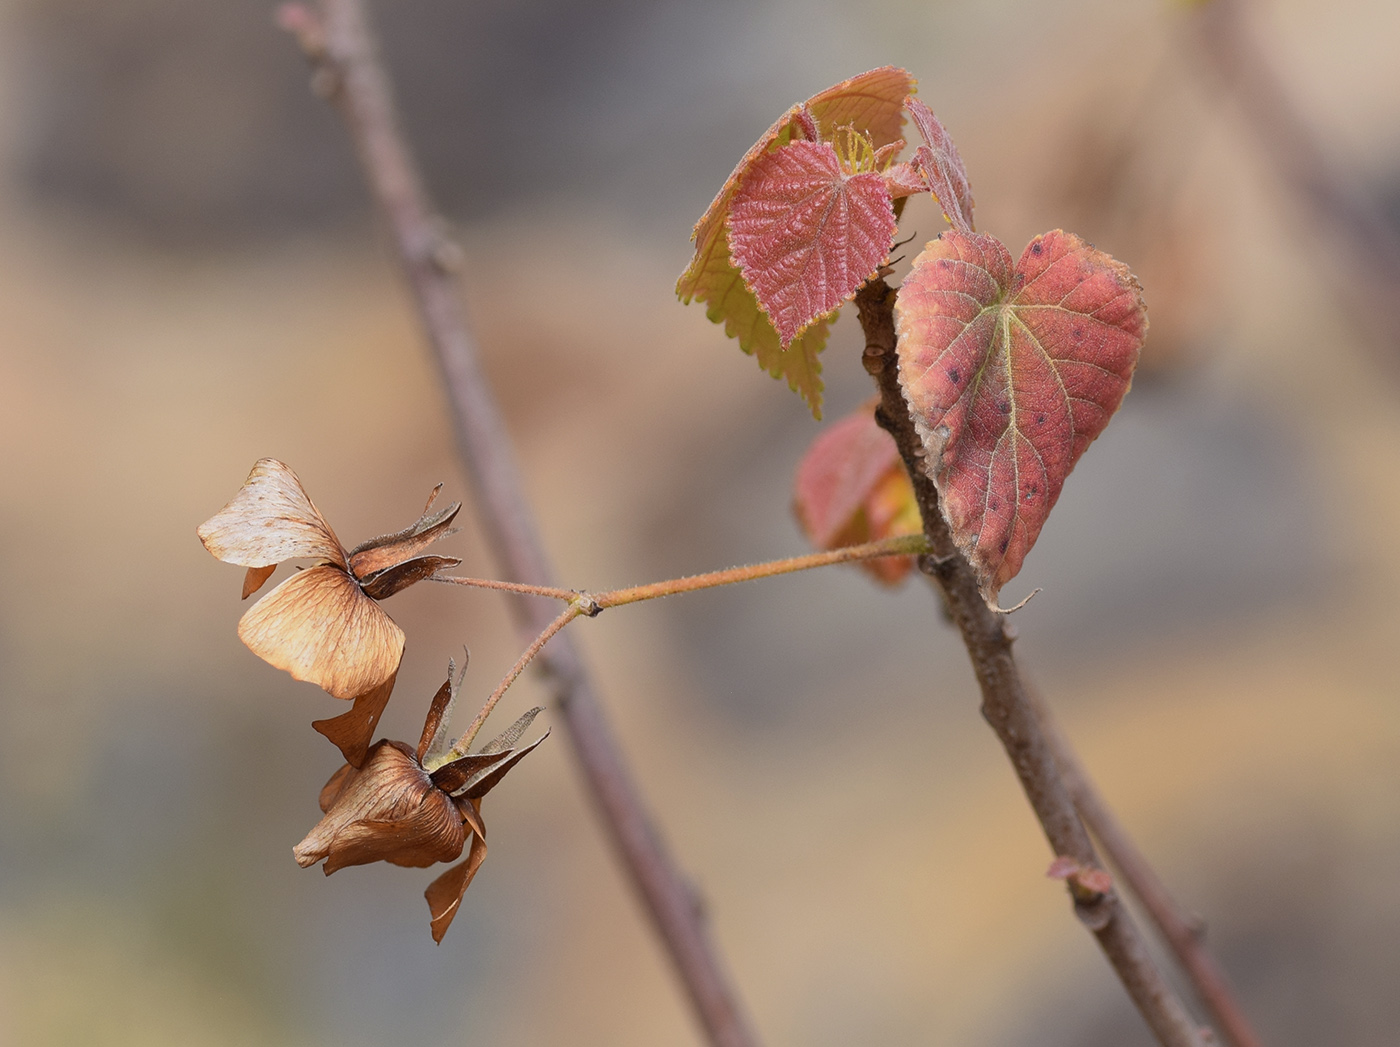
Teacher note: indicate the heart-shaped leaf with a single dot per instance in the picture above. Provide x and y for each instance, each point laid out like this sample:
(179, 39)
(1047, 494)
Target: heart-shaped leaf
(1010, 372)
(872, 103)
(806, 232)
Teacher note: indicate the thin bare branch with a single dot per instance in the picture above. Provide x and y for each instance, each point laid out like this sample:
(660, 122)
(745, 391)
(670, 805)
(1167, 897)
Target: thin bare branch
(1004, 702)
(1183, 932)
(1228, 42)
(349, 71)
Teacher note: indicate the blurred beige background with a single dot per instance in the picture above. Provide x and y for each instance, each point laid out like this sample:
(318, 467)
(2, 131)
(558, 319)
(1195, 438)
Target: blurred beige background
(189, 280)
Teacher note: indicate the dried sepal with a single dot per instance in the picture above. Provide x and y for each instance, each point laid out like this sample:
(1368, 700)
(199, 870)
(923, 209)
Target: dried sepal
(391, 549)
(352, 731)
(445, 894)
(269, 520)
(255, 577)
(383, 584)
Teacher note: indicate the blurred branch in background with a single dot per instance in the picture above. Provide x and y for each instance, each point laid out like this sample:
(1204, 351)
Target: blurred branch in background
(345, 55)
(1183, 932)
(1228, 42)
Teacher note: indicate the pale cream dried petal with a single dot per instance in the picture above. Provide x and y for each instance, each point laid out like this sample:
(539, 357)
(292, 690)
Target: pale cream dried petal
(444, 894)
(319, 627)
(269, 520)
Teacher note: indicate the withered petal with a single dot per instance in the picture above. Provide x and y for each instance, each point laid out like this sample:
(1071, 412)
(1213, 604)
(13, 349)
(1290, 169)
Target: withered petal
(484, 782)
(319, 627)
(444, 894)
(429, 834)
(330, 792)
(254, 578)
(390, 787)
(390, 550)
(383, 584)
(351, 732)
(269, 520)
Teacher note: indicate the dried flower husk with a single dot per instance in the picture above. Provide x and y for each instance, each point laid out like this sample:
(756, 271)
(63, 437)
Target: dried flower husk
(395, 809)
(322, 625)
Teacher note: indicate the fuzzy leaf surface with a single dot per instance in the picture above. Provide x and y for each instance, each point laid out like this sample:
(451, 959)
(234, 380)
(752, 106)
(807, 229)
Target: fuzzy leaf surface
(942, 167)
(873, 103)
(806, 234)
(1010, 372)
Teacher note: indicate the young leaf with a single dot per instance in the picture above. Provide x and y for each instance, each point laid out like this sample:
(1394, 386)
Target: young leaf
(873, 104)
(851, 487)
(1010, 372)
(942, 167)
(806, 232)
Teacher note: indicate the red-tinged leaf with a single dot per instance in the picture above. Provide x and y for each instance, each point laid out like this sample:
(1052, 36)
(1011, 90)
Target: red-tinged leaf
(1010, 373)
(851, 488)
(942, 167)
(872, 103)
(806, 233)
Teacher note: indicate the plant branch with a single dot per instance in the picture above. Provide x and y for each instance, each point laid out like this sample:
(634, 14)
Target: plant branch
(507, 587)
(341, 46)
(1004, 704)
(903, 545)
(1228, 43)
(1184, 932)
(591, 605)
(462, 744)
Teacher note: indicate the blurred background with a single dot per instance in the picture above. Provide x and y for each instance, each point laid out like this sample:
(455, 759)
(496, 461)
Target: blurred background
(190, 279)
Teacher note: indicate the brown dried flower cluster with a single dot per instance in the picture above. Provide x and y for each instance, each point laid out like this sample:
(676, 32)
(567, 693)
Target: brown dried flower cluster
(389, 802)
(416, 807)
(323, 624)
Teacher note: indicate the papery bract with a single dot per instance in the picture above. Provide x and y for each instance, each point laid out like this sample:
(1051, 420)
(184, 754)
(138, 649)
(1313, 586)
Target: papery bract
(323, 624)
(873, 104)
(1010, 372)
(851, 487)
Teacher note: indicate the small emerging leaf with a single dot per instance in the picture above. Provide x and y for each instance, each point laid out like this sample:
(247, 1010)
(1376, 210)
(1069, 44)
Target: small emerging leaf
(806, 232)
(873, 104)
(1010, 372)
(942, 167)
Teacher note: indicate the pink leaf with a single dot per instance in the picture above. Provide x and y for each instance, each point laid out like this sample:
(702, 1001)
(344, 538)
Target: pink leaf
(806, 233)
(942, 166)
(1010, 373)
(851, 488)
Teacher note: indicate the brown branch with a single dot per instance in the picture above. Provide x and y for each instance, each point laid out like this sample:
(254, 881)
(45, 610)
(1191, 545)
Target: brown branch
(1184, 932)
(1228, 43)
(1004, 702)
(342, 47)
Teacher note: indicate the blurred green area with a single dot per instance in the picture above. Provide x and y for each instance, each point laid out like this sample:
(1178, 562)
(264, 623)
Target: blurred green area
(189, 280)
